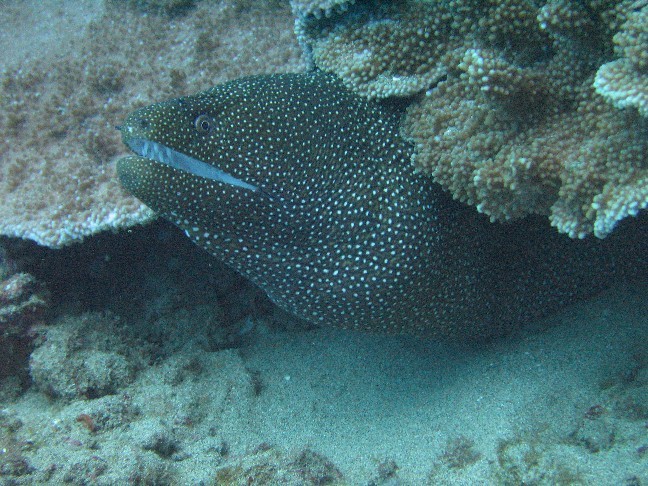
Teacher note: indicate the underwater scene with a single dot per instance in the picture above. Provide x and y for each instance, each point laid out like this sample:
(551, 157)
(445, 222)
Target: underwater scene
(324, 242)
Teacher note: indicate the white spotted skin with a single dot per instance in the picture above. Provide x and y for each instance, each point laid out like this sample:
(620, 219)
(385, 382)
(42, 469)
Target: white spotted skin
(344, 232)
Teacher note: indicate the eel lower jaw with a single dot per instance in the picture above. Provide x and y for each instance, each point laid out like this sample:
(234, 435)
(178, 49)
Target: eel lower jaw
(168, 156)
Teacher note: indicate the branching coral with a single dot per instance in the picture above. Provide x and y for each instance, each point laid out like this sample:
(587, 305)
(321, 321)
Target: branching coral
(508, 120)
(318, 8)
(59, 110)
(363, 57)
(505, 119)
(624, 82)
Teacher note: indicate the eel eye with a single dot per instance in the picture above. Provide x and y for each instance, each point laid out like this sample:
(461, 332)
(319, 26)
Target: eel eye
(203, 123)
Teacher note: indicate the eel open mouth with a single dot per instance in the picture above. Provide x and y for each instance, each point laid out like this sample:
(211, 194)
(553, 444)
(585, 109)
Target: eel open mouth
(172, 158)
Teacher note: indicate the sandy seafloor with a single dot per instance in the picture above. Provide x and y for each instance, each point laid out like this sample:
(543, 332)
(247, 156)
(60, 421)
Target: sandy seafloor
(162, 367)
(157, 365)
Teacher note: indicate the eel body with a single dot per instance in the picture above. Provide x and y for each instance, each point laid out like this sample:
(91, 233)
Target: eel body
(309, 191)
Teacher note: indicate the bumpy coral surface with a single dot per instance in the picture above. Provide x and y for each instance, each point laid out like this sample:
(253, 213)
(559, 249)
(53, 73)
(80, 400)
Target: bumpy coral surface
(360, 50)
(507, 118)
(318, 8)
(510, 122)
(62, 98)
(624, 81)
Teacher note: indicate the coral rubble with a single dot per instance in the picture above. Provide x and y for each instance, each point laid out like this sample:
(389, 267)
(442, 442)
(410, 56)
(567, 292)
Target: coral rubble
(269, 466)
(78, 360)
(24, 303)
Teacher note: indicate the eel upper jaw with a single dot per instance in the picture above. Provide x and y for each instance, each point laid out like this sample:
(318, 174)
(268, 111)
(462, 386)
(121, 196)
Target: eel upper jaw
(168, 156)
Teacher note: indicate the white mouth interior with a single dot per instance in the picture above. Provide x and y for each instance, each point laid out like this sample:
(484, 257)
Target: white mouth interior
(177, 160)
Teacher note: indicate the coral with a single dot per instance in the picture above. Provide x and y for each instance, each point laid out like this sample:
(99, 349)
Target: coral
(623, 85)
(624, 82)
(362, 57)
(318, 8)
(58, 141)
(585, 169)
(505, 116)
